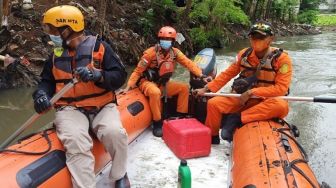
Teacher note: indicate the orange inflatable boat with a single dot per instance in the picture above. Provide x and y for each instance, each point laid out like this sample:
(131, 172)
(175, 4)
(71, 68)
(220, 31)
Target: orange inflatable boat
(265, 154)
(49, 170)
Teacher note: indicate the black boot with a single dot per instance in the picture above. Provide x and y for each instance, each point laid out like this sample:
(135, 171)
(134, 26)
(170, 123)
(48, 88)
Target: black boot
(123, 182)
(229, 124)
(157, 128)
(215, 139)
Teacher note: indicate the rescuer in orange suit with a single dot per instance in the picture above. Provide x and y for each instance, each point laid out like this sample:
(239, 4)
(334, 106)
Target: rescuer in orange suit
(272, 79)
(153, 72)
(90, 104)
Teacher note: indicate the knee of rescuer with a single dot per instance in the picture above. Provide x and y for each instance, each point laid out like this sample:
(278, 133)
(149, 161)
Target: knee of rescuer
(78, 143)
(184, 88)
(281, 106)
(115, 132)
(212, 102)
(154, 92)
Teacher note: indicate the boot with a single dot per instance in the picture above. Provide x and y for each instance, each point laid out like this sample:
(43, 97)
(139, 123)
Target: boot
(123, 182)
(157, 128)
(229, 124)
(215, 140)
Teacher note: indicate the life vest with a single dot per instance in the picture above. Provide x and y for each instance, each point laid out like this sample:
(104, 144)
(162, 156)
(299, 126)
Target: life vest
(82, 94)
(162, 69)
(267, 73)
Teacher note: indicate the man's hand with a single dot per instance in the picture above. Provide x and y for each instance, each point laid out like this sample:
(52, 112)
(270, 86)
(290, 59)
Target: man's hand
(245, 97)
(127, 88)
(41, 101)
(8, 60)
(88, 74)
(199, 92)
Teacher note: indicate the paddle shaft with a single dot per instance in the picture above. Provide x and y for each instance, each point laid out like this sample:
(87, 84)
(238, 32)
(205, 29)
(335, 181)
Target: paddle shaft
(2, 58)
(35, 116)
(288, 98)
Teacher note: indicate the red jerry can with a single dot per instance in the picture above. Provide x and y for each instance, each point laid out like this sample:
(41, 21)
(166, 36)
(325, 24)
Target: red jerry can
(187, 138)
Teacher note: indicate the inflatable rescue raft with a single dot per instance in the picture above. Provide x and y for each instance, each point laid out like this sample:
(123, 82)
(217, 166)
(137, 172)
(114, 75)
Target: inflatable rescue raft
(49, 170)
(266, 154)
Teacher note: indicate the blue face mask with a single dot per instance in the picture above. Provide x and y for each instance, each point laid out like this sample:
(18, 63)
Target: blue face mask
(57, 40)
(165, 44)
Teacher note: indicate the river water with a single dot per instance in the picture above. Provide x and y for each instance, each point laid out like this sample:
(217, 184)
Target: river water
(314, 60)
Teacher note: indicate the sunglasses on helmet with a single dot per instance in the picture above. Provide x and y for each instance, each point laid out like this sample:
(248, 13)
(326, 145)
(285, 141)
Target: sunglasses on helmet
(262, 29)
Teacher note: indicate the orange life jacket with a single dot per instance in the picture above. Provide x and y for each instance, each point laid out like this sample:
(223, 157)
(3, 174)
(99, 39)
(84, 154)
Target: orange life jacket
(82, 94)
(161, 69)
(267, 73)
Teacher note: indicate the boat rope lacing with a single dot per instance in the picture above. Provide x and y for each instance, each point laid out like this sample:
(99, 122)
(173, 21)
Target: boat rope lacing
(303, 152)
(282, 131)
(44, 135)
(293, 166)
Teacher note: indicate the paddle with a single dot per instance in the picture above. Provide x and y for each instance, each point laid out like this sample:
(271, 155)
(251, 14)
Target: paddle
(321, 99)
(35, 116)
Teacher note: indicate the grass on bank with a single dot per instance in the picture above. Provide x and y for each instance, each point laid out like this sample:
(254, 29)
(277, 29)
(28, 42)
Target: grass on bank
(326, 20)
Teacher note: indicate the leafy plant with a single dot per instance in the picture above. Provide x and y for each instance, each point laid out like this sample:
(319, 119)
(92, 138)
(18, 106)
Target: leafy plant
(217, 13)
(160, 6)
(199, 37)
(147, 22)
(310, 4)
(210, 18)
(309, 16)
(216, 37)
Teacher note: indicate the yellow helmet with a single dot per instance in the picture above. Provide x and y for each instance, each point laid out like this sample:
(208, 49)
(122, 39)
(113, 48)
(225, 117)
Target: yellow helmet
(65, 15)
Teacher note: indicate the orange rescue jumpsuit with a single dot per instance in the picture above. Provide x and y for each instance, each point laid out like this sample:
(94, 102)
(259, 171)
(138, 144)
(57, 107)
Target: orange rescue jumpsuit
(153, 91)
(254, 110)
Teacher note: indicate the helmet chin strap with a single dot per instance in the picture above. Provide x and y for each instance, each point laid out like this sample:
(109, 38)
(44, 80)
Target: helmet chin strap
(61, 33)
(69, 41)
(66, 41)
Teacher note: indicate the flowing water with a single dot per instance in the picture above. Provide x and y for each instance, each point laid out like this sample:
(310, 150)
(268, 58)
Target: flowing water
(314, 60)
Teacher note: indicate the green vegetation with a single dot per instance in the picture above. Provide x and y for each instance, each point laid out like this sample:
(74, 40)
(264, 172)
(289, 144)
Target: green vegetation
(275, 10)
(147, 22)
(326, 20)
(309, 11)
(309, 16)
(154, 16)
(206, 21)
(210, 18)
(199, 37)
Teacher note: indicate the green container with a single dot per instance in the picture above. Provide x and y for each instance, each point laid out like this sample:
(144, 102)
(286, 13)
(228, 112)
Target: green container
(184, 175)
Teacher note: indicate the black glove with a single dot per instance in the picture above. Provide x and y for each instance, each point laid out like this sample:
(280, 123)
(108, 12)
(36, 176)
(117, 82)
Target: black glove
(240, 85)
(41, 101)
(88, 74)
(206, 78)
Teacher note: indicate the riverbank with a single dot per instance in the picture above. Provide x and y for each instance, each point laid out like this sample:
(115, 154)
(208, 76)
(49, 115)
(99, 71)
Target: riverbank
(238, 32)
(330, 28)
(125, 29)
